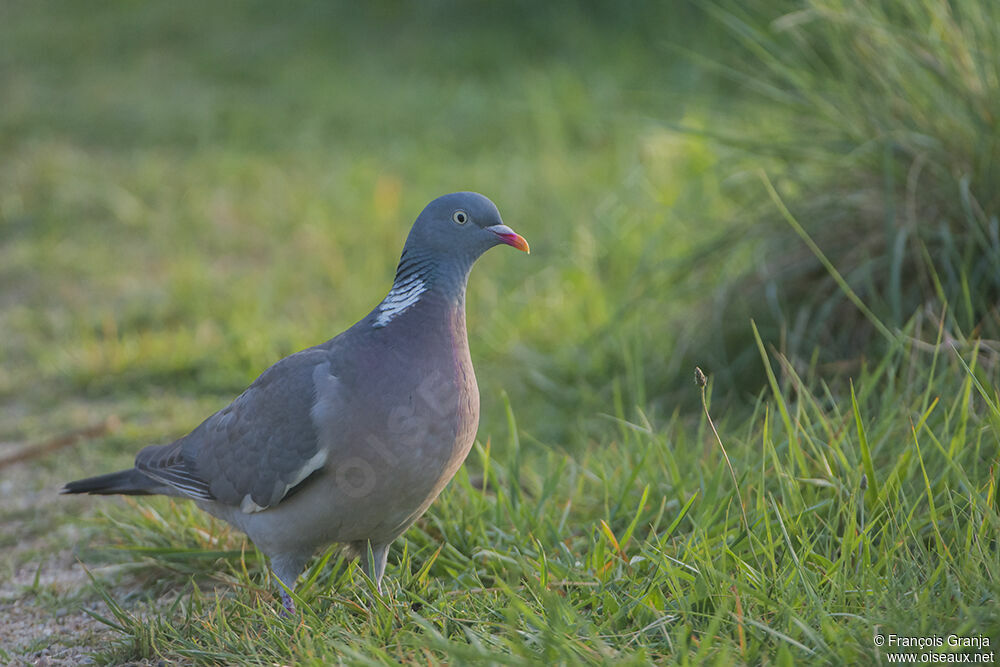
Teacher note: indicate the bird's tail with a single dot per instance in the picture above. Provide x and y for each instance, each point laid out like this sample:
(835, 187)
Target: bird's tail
(127, 482)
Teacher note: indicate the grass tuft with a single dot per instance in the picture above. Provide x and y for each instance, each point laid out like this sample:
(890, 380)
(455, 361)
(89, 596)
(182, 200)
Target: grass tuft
(877, 122)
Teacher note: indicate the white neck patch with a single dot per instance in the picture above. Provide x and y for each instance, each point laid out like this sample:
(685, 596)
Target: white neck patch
(400, 298)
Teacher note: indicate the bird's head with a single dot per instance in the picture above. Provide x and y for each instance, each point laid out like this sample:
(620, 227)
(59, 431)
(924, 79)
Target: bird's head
(462, 224)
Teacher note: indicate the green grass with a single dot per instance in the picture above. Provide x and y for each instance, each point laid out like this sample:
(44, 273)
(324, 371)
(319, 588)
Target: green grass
(877, 121)
(635, 550)
(189, 192)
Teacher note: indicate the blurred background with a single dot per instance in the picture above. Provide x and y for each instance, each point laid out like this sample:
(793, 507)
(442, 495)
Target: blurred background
(190, 191)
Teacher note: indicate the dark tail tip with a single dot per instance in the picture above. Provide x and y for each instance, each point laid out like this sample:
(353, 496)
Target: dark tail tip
(126, 482)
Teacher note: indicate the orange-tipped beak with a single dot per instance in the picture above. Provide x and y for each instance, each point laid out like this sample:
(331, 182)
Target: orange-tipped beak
(510, 237)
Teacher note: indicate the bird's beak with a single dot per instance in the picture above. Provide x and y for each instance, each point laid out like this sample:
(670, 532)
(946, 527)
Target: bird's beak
(510, 237)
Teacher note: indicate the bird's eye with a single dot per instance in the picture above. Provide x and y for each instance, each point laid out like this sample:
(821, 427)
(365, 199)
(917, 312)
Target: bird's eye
(461, 217)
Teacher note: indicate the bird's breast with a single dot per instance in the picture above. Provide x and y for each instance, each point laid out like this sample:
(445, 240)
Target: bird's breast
(422, 413)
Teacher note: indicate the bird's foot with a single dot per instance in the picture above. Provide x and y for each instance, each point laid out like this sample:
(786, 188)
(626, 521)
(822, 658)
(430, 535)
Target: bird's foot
(287, 603)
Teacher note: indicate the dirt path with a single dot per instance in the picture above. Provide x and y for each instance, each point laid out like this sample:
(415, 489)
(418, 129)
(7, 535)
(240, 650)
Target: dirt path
(44, 590)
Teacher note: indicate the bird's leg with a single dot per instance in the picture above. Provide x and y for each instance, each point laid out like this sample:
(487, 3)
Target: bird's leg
(286, 568)
(372, 559)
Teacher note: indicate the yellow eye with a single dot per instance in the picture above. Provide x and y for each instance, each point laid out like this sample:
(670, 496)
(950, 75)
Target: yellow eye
(460, 217)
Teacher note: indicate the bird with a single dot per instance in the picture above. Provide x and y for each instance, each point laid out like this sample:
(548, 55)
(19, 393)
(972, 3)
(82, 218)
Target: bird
(350, 441)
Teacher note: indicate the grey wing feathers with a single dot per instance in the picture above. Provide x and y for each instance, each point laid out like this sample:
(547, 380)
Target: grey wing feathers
(250, 453)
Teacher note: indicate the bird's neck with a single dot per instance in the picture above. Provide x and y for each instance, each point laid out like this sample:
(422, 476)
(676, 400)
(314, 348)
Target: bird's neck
(427, 284)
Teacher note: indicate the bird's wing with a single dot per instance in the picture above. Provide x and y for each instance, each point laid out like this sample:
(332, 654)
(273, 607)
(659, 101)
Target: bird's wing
(252, 452)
